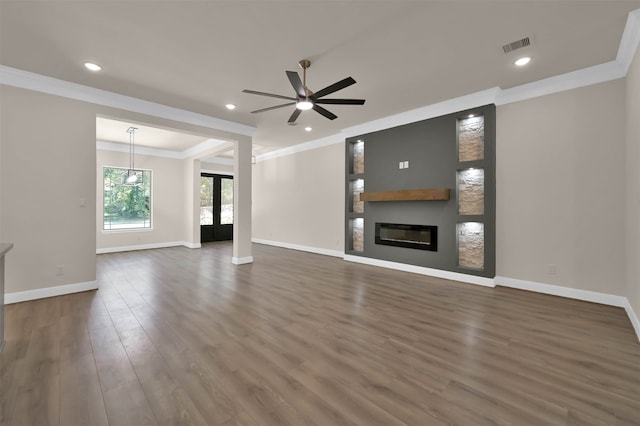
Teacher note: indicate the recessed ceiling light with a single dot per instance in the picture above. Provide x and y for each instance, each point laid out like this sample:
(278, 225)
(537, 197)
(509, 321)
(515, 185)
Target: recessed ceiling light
(470, 116)
(92, 67)
(523, 61)
(308, 129)
(230, 106)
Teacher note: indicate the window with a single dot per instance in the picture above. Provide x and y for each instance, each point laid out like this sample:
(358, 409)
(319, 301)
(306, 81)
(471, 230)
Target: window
(126, 205)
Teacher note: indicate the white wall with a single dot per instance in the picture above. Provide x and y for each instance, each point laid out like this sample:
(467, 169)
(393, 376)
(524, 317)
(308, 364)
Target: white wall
(168, 209)
(633, 184)
(560, 189)
(48, 167)
(299, 199)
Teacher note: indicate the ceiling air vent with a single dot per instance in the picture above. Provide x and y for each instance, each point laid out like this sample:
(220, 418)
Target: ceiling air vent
(518, 44)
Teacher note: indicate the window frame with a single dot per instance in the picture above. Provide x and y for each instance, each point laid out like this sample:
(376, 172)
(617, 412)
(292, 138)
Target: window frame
(151, 202)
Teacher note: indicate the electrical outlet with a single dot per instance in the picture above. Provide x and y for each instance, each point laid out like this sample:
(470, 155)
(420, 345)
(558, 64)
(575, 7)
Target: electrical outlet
(551, 269)
(401, 165)
(406, 164)
(59, 269)
(83, 202)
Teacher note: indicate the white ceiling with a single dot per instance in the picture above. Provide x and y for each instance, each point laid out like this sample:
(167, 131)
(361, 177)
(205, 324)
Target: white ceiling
(200, 55)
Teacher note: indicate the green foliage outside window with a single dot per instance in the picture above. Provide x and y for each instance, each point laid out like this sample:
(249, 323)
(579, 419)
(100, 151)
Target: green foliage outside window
(126, 206)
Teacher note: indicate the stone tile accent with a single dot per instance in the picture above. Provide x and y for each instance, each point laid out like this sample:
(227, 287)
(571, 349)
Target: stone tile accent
(358, 188)
(357, 227)
(471, 139)
(471, 191)
(471, 245)
(358, 157)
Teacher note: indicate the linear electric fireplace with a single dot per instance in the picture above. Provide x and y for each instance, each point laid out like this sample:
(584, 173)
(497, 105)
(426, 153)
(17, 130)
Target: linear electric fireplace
(422, 237)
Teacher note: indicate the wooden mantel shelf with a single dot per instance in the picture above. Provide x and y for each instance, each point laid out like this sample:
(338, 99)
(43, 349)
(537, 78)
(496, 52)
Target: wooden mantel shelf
(407, 195)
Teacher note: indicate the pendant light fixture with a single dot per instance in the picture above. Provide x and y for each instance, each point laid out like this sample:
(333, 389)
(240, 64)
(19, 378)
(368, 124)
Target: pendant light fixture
(132, 177)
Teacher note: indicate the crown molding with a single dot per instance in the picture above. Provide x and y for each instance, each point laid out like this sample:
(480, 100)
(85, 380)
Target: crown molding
(608, 71)
(449, 106)
(630, 41)
(53, 86)
(314, 144)
(141, 150)
(195, 150)
(218, 160)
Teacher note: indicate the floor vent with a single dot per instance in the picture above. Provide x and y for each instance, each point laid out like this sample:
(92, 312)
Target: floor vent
(518, 44)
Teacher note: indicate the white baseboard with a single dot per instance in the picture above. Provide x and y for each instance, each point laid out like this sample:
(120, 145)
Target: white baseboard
(326, 252)
(556, 290)
(456, 276)
(242, 260)
(41, 293)
(191, 245)
(147, 247)
(573, 293)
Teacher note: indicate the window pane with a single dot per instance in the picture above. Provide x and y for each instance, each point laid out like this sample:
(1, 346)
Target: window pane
(126, 205)
(206, 200)
(226, 207)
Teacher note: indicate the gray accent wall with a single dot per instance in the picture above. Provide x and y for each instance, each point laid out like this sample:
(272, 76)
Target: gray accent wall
(430, 147)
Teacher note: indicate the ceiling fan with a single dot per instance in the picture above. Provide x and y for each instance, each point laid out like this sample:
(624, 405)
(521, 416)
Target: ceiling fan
(305, 99)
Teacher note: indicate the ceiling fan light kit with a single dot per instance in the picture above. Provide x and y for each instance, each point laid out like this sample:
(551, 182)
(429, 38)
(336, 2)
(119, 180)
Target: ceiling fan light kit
(305, 99)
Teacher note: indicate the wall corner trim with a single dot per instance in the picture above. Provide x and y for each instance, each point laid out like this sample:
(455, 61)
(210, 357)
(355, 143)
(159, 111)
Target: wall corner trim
(574, 293)
(41, 293)
(438, 273)
(316, 250)
(242, 260)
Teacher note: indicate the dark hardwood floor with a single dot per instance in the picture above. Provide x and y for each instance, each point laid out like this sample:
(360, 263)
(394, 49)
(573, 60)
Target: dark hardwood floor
(178, 336)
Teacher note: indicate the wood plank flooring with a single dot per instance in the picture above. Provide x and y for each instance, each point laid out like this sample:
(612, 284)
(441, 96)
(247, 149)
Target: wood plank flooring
(182, 337)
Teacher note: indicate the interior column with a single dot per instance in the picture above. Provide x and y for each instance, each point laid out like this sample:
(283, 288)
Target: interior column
(242, 202)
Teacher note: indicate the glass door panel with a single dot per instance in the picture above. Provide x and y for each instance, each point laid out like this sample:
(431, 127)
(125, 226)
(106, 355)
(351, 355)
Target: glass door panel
(216, 207)
(226, 201)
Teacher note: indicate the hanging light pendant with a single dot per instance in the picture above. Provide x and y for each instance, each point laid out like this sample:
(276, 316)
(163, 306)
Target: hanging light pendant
(132, 176)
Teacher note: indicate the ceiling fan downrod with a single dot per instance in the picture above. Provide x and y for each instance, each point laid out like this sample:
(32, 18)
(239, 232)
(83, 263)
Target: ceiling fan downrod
(304, 64)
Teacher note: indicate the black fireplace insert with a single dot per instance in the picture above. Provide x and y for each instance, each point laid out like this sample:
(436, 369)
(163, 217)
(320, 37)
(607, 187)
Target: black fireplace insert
(421, 237)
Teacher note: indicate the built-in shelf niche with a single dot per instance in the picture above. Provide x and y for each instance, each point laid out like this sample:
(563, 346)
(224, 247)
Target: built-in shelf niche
(357, 157)
(470, 239)
(357, 234)
(437, 194)
(470, 184)
(471, 138)
(357, 188)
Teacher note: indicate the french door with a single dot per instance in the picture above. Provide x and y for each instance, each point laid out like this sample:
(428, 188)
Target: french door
(216, 207)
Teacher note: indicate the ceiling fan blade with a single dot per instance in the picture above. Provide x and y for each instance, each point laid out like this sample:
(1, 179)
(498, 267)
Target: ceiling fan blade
(322, 111)
(294, 78)
(334, 87)
(273, 107)
(294, 116)
(271, 95)
(340, 101)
